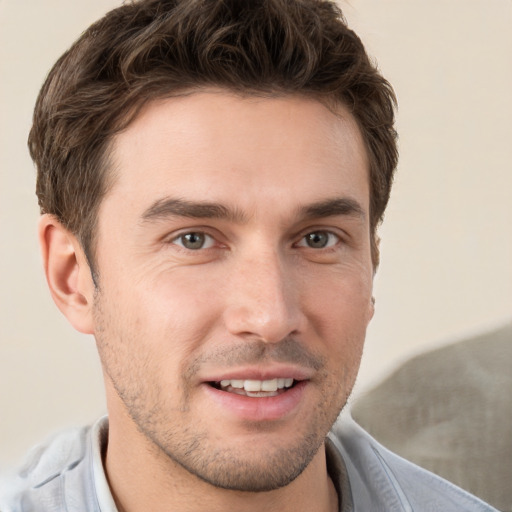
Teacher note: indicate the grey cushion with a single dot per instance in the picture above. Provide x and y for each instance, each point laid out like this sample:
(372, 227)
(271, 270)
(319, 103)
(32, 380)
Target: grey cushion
(450, 411)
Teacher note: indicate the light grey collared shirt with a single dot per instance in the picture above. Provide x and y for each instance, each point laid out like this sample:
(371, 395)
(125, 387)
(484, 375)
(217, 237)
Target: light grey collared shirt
(67, 475)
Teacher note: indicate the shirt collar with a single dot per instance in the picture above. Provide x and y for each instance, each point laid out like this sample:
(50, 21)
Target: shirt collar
(99, 434)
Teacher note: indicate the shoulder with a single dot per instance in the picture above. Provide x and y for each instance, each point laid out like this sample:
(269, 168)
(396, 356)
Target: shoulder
(54, 475)
(382, 480)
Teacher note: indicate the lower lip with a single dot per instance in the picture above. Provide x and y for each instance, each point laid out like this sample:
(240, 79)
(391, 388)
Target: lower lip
(247, 408)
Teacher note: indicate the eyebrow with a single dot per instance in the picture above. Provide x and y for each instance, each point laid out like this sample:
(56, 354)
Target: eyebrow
(344, 206)
(172, 207)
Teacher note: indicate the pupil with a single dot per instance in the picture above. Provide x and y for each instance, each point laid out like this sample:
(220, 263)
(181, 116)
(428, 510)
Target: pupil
(193, 240)
(317, 240)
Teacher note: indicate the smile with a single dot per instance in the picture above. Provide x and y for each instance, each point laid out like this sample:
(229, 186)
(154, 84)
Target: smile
(257, 400)
(255, 388)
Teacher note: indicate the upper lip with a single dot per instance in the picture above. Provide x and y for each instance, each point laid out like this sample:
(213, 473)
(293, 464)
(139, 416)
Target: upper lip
(261, 373)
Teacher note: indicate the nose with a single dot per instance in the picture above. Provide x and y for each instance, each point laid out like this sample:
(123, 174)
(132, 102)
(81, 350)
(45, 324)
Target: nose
(263, 299)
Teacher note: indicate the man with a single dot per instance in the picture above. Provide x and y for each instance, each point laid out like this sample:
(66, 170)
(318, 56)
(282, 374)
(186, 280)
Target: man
(211, 175)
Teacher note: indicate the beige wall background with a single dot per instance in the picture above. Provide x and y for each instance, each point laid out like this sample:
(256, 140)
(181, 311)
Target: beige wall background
(446, 268)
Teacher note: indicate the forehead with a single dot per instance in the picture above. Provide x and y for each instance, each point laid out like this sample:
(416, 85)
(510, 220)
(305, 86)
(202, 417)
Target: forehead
(219, 146)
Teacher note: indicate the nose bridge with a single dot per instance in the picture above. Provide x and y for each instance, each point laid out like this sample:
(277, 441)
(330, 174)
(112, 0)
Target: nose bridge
(263, 297)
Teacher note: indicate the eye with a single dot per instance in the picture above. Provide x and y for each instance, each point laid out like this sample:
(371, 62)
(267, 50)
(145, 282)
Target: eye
(194, 241)
(319, 240)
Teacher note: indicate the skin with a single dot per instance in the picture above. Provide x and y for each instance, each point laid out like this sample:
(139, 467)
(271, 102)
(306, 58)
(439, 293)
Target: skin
(281, 285)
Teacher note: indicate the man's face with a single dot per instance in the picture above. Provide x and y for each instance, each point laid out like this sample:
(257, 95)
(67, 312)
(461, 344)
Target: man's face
(235, 282)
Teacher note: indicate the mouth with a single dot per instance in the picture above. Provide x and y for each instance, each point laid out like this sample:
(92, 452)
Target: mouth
(255, 388)
(258, 398)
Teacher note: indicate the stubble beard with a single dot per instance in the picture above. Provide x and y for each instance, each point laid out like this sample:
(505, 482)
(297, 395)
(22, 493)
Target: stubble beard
(189, 445)
(258, 469)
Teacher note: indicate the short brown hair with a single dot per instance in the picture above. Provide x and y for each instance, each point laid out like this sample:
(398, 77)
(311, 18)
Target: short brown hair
(149, 49)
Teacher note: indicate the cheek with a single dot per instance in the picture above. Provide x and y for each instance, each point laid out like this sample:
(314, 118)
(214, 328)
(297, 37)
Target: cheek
(339, 300)
(339, 315)
(174, 313)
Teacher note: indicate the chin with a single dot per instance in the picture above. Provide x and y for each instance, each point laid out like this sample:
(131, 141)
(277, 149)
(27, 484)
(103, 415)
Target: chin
(228, 469)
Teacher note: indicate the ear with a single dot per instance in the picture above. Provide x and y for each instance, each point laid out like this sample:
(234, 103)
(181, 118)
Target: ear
(67, 273)
(375, 250)
(371, 309)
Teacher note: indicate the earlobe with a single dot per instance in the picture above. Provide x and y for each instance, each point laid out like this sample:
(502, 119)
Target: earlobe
(67, 273)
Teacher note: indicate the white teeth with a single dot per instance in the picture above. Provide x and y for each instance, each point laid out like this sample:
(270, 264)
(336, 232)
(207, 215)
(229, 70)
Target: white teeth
(255, 386)
(269, 385)
(252, 385)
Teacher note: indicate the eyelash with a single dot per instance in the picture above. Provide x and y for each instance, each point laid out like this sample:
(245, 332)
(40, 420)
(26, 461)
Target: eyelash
(180, 237)
(333, 239)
